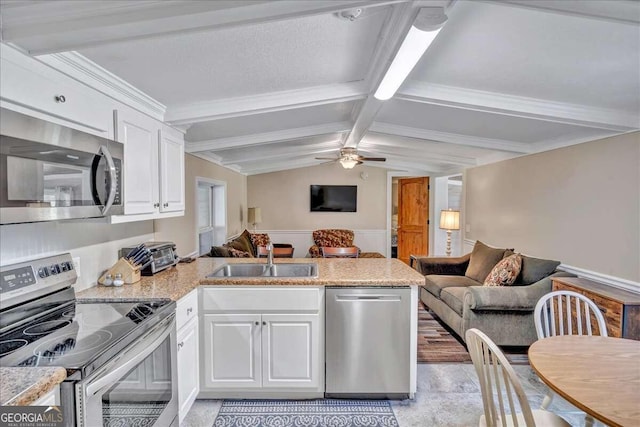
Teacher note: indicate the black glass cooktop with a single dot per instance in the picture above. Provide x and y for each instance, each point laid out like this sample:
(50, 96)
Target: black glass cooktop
(75, 335)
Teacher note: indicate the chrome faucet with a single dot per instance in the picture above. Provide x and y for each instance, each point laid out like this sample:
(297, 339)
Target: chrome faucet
(269, 254)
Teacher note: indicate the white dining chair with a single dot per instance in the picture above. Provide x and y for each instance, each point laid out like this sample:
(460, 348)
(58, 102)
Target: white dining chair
(567, 313)
(504, 400)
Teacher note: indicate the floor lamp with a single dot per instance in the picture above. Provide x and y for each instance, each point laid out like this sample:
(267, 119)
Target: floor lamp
(449, 220)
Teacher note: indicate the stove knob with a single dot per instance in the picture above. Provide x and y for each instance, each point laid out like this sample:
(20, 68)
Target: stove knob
(54, 269)
(43, 272)
(69, 265)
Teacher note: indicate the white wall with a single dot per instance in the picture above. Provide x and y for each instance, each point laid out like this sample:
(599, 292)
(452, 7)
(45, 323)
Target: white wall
(284, 200)
(578, 204)
(94, 241)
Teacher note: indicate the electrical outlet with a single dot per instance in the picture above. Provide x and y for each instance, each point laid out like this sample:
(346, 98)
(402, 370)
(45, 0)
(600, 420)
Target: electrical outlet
(76, 265)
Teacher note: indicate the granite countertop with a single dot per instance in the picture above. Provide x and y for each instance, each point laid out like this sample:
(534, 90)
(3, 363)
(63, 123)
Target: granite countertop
(176, 282)
(24, 386)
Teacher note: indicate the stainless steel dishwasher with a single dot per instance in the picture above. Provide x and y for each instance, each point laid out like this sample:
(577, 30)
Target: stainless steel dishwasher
(368, 342)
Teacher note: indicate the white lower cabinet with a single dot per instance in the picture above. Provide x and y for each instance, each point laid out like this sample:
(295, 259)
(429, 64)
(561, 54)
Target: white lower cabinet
(188, 351)
(246, 353)
(268, 350)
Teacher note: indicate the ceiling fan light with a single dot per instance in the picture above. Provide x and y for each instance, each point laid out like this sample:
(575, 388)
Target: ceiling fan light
(348, 163)
(413, 47)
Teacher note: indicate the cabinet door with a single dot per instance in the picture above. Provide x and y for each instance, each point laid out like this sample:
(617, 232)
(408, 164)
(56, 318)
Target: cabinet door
(290, 350)
(171, 170)
(231, 351)
(188, 386)
(139, 134)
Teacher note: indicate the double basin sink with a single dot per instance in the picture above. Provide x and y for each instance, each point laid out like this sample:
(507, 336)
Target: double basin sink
(265, 270)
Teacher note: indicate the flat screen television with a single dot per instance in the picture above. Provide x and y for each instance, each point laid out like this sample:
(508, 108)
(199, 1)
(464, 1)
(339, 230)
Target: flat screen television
(334, 198)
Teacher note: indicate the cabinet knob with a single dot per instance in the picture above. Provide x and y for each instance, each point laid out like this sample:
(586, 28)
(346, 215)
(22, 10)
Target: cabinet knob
(61, 99)
(189, 310)
(166, 205)
(257, 323)
(156, 205)
(264, 323)
(180, 345)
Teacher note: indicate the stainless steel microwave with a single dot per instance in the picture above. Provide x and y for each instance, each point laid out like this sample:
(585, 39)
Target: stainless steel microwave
(52, 172)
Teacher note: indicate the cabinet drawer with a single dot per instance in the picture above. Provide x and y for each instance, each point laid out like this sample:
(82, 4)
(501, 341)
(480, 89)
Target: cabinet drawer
(186, 308)
(254, 298)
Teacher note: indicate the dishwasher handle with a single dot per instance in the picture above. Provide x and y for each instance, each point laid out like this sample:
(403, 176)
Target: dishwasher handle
(370, 297)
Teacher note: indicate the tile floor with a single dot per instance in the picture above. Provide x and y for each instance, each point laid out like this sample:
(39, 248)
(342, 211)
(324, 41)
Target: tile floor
(448, 396)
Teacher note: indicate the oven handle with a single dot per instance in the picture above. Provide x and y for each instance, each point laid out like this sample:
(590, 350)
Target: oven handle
(133, 355)
(113, 176)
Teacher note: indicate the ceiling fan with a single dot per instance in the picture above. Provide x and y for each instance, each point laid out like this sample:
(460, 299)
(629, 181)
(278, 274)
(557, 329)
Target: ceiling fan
(349, 158)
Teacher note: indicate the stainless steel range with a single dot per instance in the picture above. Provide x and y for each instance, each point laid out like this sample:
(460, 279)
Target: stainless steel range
(120, 357)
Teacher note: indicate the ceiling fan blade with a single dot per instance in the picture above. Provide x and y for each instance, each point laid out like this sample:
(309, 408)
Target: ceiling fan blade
(327, 158)
(373, 159)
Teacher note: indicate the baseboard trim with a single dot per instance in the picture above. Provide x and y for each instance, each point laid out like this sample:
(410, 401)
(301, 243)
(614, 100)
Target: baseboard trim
(616, 282)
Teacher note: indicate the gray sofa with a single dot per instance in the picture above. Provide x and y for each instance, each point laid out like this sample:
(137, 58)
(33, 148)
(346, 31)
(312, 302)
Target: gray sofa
(454, 291)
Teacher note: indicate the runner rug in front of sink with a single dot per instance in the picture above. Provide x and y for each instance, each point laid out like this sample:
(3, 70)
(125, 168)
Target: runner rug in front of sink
(311, 413)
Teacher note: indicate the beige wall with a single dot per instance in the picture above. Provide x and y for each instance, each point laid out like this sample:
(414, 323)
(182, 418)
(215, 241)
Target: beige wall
(284, 198)
(579, 205)
(183, 230)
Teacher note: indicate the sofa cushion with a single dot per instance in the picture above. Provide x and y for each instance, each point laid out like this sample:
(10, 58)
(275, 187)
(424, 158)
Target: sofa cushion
(535, 269)
(219, 251)
(454, 298)
(483, 259)
(505, 271)
(435, 283)
(242, 243)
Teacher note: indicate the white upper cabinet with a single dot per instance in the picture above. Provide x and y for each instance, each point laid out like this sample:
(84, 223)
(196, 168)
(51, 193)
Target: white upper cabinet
(33, 88)
(171, 170)
(139, 134)
(154, 167)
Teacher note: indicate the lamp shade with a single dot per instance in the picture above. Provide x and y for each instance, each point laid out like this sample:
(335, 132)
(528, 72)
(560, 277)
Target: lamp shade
(254, 216)
(450, 219)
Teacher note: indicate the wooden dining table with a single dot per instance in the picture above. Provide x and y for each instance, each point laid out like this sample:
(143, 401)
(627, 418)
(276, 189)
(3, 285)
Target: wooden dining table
(599, 375)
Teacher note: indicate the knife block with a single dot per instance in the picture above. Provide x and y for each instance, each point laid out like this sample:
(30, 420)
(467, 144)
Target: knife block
(130, 274)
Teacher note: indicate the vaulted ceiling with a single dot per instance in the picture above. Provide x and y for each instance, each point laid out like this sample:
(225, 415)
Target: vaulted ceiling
(262, 86)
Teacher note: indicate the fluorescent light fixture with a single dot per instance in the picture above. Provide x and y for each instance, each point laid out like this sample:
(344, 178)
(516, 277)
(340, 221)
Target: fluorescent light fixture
(424, 30)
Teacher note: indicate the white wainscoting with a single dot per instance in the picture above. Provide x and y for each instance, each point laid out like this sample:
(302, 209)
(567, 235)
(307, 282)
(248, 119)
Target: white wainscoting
(302, 240)
(617, 282)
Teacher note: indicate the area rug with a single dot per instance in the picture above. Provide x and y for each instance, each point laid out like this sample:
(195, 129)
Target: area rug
(436, 344)
(306, 413)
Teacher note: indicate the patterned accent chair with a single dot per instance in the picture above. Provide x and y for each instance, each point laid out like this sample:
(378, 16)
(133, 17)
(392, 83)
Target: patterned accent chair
(332, 238)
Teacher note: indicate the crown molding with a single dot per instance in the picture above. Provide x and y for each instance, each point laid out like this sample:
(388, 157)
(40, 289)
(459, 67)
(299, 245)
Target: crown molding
(518, 106)
(88, 72)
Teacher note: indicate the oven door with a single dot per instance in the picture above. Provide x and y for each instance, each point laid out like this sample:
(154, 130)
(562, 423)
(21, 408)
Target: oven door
(137, 387)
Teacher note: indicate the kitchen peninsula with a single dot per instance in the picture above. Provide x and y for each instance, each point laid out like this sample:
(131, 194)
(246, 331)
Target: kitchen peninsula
(265, 337)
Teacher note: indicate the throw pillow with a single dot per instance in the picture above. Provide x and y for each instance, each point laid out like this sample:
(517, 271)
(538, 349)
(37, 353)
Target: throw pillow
(235, 253)
(535, 269)
(483, 259)
(242, 243)
(505, 271)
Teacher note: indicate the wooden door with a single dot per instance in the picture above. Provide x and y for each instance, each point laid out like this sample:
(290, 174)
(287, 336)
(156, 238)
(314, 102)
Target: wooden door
(413, 217)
